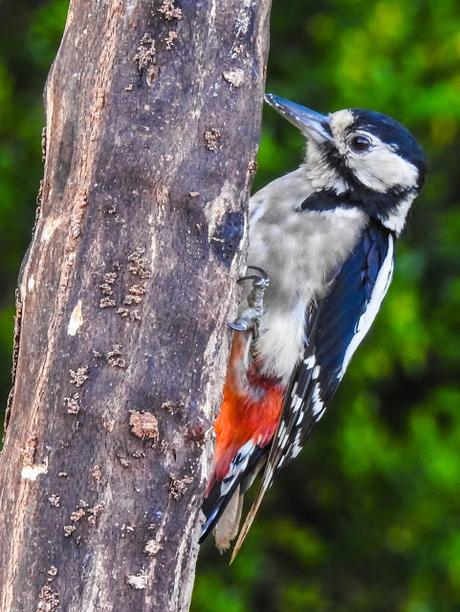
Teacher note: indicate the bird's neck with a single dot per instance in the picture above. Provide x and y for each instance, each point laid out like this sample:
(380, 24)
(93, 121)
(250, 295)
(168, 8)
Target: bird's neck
(390, 208)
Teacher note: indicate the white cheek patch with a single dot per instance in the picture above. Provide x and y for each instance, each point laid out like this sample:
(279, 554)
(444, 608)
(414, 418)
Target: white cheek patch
(397, 220)
(382, 168)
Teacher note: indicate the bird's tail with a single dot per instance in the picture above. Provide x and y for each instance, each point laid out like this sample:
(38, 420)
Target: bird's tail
(224, 505)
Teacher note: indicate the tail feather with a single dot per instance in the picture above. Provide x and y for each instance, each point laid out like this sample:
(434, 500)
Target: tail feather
(214, 510)
(227, 526)
(240, 476)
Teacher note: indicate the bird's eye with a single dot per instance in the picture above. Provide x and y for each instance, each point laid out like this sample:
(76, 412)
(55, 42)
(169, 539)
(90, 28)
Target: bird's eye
(360, 143)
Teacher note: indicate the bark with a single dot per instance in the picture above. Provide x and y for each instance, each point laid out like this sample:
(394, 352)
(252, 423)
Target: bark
(153, 112)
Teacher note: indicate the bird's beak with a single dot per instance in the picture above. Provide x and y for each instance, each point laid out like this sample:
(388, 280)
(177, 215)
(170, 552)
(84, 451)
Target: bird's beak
(312, 124)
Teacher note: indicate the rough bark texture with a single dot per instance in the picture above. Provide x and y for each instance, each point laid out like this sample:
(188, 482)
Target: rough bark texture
(153, 111)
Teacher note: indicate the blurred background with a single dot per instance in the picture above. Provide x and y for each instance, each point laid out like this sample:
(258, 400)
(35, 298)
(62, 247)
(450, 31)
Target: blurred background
(368, 518)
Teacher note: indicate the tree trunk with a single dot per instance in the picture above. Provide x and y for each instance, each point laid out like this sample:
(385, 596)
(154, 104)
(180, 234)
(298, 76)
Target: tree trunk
(153, 112)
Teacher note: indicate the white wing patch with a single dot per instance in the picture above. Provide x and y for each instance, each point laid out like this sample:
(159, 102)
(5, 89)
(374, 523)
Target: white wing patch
(317, 403)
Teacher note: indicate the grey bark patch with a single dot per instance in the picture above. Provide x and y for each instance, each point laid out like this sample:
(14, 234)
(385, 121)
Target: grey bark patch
(66, 150)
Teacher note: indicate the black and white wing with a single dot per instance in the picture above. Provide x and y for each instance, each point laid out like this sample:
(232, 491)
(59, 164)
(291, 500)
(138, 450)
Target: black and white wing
(334, 330)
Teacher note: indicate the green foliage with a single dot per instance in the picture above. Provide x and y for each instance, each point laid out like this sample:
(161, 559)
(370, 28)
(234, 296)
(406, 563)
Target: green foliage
(367, 519)
(375, 489)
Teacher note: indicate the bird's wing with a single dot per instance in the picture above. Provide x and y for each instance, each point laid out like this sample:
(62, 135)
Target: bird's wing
(335, 328)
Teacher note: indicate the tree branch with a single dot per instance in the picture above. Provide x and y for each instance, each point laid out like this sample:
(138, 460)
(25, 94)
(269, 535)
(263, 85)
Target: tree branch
(153, 112)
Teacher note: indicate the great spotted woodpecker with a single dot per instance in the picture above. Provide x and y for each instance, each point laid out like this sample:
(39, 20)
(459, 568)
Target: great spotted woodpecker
(322, 238)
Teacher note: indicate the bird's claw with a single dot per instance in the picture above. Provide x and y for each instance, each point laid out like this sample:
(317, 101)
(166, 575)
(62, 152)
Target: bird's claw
(260, 280)
(249, 318)
(238, 325)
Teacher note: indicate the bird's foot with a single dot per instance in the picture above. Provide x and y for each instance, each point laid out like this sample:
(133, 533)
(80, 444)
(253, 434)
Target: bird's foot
(250, 318)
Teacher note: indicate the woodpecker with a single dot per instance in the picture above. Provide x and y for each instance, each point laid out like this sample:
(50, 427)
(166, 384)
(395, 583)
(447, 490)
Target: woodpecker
(321, 254)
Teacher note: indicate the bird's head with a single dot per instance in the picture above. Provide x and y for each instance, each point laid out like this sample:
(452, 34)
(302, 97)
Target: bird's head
(365, 158)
